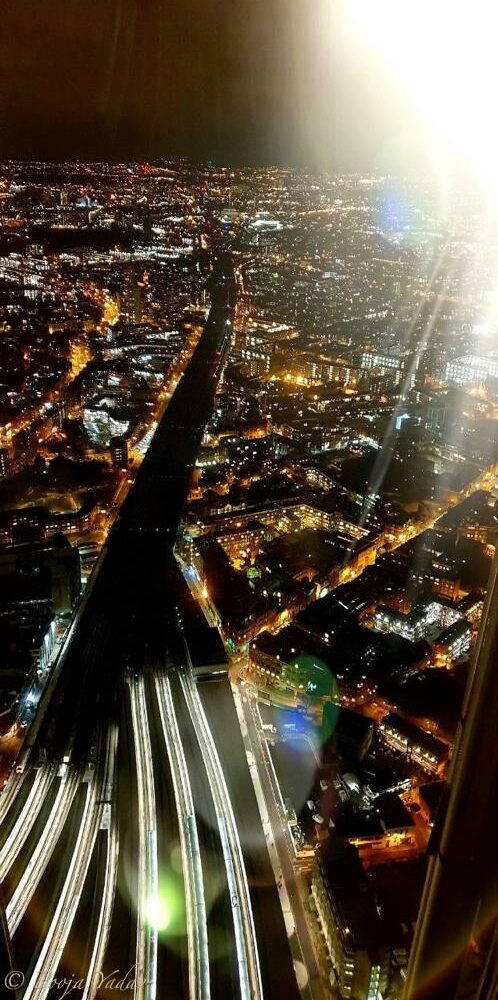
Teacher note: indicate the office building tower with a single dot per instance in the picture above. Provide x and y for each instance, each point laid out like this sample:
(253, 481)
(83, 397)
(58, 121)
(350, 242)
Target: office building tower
(119, 452)
(454, 950)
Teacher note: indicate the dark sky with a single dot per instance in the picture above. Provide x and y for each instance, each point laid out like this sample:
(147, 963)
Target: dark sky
(240, 81)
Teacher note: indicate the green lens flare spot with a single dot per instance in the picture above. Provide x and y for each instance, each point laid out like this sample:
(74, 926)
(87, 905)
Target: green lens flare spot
(158, 911)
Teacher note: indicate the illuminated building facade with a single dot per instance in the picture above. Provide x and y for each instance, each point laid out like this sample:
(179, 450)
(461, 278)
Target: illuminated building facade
(350, 925)
(118, 447)
(454, 950)
(413, 743)
(472, 369)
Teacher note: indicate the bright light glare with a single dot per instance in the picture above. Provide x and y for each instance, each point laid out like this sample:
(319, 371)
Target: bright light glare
(158, 912)
(443, 52)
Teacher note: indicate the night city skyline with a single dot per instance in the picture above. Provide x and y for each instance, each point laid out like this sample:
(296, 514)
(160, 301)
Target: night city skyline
(248, 500)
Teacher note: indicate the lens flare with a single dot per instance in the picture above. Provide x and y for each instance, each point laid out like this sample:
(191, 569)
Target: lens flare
(443, 55)
(311, 676)
(158, 911)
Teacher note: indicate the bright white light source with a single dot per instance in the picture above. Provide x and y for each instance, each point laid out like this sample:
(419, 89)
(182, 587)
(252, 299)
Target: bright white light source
(158, 912)
(443, 52)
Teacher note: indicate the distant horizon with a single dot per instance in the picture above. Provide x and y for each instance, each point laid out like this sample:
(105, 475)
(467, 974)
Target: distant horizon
(158, 161)
(236, 84)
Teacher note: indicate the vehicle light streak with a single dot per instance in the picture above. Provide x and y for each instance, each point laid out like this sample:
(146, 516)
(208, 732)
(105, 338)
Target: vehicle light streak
(33, 872)
(45, 969)
(245, 934)
(148, 881)
(198, 952)
(26, 818)
(111, 870)
(9, 793)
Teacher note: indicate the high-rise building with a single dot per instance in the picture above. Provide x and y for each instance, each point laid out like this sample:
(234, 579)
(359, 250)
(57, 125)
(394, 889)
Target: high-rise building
(5, 463)
(455, 945)
(132, 298)
(119, 452)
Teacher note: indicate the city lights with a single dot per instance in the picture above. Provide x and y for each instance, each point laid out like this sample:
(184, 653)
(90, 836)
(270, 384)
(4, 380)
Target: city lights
(248, 500)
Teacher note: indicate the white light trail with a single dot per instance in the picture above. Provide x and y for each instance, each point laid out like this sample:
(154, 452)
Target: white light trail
(245, 934)
(148, 880)
(93, 976)
(48, 960)
(10, 791)
(42, 853)
(199, 979)
(25, 820)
